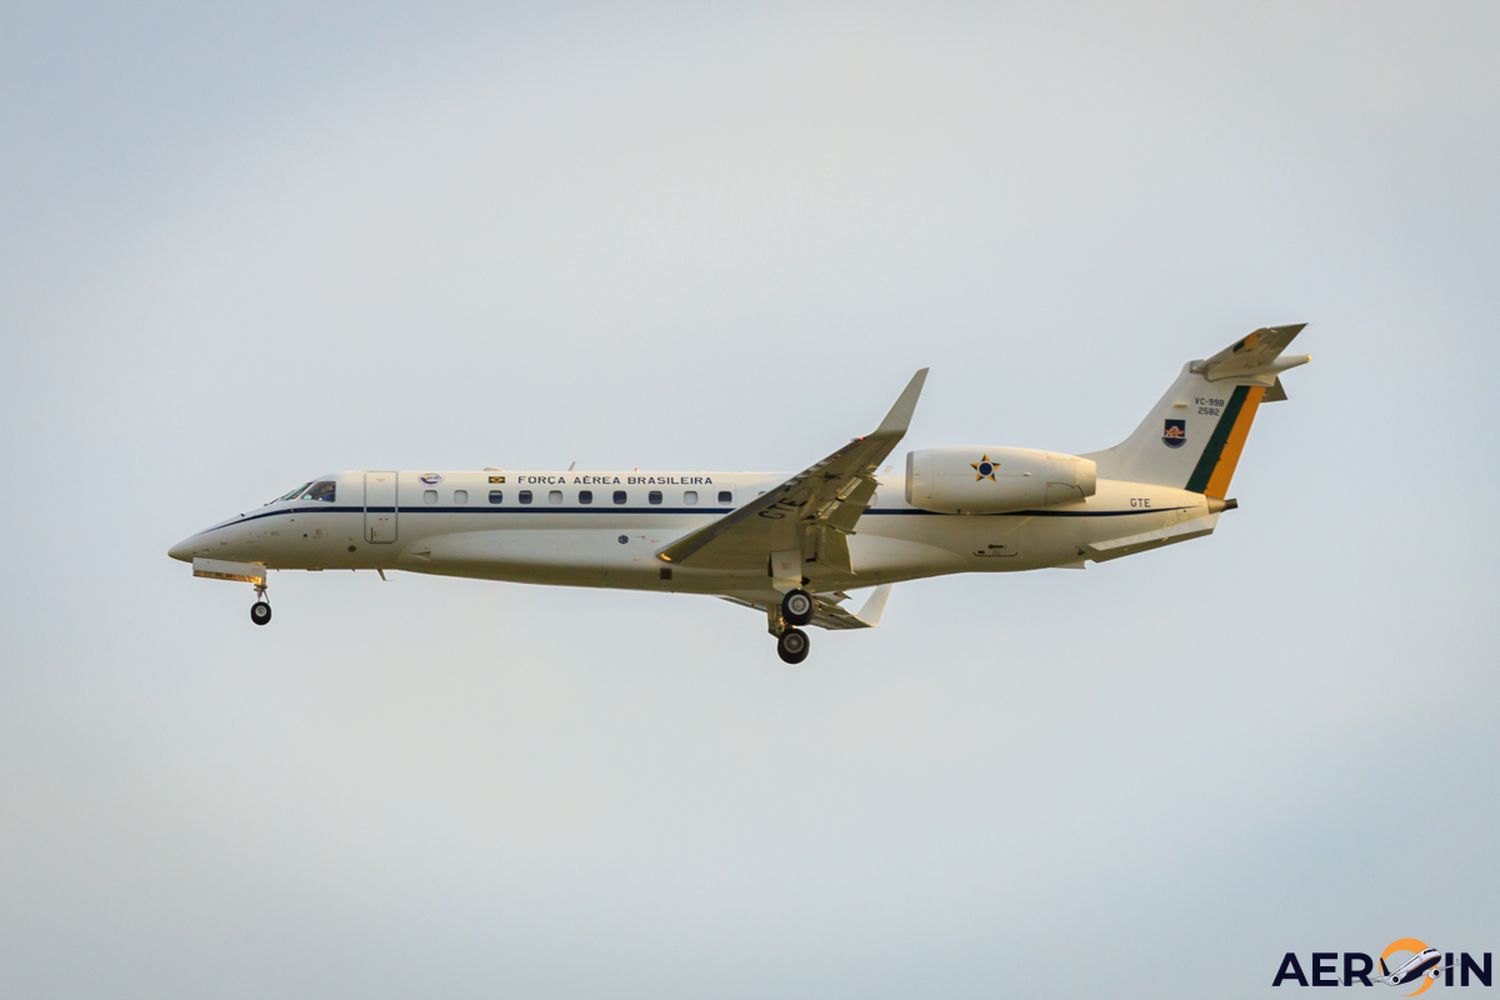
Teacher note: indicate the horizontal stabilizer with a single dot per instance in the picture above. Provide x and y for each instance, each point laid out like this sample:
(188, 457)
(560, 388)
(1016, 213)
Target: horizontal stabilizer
(1255, 357)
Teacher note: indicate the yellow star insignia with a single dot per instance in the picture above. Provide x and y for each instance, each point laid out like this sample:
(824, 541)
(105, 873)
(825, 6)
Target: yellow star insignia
(984, 468)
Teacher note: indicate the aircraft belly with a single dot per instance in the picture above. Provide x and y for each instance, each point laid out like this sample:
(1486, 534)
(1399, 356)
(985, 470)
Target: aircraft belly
(515, 548)
(914, 544)
(887, 557)
(577, 557)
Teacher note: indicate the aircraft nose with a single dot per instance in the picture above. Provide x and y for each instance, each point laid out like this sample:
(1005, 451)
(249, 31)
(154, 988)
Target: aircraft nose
(183, 550)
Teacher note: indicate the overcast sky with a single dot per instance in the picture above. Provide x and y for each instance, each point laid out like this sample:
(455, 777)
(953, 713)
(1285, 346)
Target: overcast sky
(243, 248)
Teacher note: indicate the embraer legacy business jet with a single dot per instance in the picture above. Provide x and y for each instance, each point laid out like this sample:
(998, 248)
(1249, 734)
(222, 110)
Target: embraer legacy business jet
(788, 546)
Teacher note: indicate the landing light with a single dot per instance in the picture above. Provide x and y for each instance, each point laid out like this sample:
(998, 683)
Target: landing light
(238, 572)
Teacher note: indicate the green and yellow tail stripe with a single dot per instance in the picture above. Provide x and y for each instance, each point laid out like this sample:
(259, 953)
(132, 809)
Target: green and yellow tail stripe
(1216, 467)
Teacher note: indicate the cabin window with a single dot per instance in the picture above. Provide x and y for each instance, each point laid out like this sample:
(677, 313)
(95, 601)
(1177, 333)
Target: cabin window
(497, 496)
(690, 497)
(585, 496)
(323, 491)
(525, 496)
(654, 496)
(619, 496)
(429, 496)
(726, 497)
(554, 496)
(460, 496)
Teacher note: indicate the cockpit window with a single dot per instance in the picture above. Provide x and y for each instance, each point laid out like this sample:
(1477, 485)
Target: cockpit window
(293, 494)
(322, 490)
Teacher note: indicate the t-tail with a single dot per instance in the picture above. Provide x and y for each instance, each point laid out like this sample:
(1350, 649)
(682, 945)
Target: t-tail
(1193, 436)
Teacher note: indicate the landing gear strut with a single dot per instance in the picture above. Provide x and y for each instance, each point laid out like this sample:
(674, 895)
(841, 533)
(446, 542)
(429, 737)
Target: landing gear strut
(791, 645)
(260, 611)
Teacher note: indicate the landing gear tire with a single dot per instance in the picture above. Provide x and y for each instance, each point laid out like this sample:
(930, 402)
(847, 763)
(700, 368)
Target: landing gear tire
(792, 645)
(260, 613)
(797, 607)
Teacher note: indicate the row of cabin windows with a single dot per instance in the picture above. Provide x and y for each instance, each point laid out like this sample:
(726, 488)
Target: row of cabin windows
(620, 497)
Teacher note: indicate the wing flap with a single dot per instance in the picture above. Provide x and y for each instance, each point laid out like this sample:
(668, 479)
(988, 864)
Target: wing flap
(829, 613)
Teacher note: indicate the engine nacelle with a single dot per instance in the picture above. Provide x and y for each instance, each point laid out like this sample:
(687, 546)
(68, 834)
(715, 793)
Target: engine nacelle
(984, 480)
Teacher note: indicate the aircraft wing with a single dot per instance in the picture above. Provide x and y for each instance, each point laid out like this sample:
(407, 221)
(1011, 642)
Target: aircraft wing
(813, 512)
(828, 614)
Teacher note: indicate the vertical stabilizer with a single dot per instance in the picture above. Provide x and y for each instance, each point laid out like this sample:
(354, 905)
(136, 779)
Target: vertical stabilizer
(1193, 436)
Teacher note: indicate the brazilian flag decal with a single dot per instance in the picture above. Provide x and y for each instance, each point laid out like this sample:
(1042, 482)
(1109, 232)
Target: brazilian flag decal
(1216, 465)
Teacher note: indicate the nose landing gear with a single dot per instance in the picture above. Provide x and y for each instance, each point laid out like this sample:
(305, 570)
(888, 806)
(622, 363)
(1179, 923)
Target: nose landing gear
(260, 611)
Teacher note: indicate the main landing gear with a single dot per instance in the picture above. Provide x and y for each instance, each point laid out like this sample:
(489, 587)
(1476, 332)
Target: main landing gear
(796, 608)
(791, 645)
(260, 611)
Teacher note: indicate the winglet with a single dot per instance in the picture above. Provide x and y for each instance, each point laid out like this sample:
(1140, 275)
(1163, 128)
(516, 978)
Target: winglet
(874, 605)
(899, 418)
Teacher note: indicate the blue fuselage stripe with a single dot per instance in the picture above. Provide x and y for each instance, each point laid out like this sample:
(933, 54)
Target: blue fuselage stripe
(548, 509)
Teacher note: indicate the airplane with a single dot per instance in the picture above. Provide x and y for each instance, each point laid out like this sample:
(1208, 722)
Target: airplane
(1425, 962)
(792, 546)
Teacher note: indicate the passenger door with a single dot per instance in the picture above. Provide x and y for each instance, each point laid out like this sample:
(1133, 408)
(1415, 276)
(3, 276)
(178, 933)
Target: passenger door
(380, 506)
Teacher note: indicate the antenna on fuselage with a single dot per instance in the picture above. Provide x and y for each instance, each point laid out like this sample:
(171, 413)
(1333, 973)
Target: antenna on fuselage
(571, 465)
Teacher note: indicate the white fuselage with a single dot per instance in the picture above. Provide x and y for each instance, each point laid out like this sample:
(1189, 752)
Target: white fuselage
(480, 524)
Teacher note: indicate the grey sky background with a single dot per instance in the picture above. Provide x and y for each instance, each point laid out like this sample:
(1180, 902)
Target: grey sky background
(242, 248)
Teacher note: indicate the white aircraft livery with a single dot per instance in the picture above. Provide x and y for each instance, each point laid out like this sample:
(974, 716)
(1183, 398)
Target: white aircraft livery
(789, 546)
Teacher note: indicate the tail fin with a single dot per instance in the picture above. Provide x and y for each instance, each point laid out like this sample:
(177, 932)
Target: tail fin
(1193, 436)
